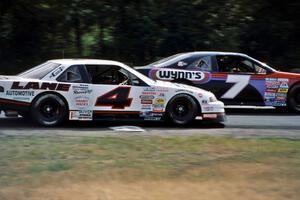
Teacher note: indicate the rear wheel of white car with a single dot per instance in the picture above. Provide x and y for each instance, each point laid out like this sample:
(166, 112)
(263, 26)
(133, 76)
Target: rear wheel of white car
(294, 98)
(182, 109)
(49, 110)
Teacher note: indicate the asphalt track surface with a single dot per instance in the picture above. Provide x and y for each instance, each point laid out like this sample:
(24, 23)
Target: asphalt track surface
(240, 123)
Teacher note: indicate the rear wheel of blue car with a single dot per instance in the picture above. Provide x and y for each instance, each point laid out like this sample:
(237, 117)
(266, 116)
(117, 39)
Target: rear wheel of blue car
(49, 110)
(182, 109)
(294, 98)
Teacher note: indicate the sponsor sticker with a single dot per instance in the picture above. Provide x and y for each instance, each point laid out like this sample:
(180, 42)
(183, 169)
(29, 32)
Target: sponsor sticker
(210, 116)
(82, 115)
(81, 89)
(40, 86)
(276, 91)
(283, 90)
(147, 107)
(152, 118)
(159, 101)
(20, 93)
(56, 72)
(146, 102)
(146, 97)
(167, 74)
(82, 102)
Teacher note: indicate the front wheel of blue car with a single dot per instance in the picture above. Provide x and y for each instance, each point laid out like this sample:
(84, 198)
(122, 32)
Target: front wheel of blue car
(182, 109)
(49, 110)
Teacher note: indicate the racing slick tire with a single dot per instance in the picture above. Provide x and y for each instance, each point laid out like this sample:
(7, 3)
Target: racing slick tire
(182, 109)
(294, 98)
(49, 110)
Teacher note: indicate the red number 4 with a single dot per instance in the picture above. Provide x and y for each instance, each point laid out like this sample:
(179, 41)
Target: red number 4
(117, 98)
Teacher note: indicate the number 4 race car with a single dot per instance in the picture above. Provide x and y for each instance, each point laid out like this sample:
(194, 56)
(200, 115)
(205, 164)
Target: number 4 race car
(80, 89)
(236, 79)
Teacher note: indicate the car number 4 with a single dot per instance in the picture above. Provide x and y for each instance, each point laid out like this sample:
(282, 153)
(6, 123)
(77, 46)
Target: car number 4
(241, 81)
(117, 98)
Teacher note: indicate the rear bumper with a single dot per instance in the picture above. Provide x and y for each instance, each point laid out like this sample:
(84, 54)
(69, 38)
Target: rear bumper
(7, 104)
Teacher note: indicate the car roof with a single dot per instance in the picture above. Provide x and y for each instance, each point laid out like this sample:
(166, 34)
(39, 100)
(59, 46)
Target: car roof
(85, 62)
(213, 53)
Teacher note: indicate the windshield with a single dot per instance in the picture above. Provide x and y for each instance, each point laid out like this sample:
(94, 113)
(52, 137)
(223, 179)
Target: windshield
(39, 71)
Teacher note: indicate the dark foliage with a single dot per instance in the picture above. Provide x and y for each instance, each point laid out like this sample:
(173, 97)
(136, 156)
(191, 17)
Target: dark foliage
(138, 32)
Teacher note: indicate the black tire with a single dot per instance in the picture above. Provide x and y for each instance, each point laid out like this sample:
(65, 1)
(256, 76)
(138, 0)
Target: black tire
(294, 98)
(49, 110)
(182, 109)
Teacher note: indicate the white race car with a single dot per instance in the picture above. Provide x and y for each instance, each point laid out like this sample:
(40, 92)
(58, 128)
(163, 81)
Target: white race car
(82, 89)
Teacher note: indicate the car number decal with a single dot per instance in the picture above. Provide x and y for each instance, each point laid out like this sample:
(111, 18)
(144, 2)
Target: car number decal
(116, 98)
(241, 81)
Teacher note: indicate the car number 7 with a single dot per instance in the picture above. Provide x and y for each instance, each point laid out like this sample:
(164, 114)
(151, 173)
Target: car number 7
(241, 81)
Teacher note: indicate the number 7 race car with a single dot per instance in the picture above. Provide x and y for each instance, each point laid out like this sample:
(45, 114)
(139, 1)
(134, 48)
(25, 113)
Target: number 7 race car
(80, 89)
(236, 79)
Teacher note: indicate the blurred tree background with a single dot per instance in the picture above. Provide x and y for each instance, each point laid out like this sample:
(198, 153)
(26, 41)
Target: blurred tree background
(140, 31)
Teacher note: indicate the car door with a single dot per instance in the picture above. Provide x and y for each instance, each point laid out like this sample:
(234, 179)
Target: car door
(116, 93)
(237, 80)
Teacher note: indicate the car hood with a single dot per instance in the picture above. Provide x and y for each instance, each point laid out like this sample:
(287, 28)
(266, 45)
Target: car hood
(288, 74)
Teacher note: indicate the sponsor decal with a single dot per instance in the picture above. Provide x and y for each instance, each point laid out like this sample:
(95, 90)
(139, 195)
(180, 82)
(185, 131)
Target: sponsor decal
(270, 95)
(159, 101)
(210, 116)
(276, 91)
(147, 107)
(276, 103)
(161, 95)
(83, 115)
(1, 89)
(56, 72)
(204, 101)
(148, 93)
(283, 80)
(149, 89)
(283, 90)
(40, 86)
(271, 90)
(280, 95)
(146, 97)
(164, 90)
(172, 74)
(82, 102)
(271, 79)
(152, 118)
(181, 64)
(158, 107)
(284, 85)
(151, 114)
(146, 101)
(208, 108)
(81, 89)
(20, 93)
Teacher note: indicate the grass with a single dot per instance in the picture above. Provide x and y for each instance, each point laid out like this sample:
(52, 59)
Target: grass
(267, 168)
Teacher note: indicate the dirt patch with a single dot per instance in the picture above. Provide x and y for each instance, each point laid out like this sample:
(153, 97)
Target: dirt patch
(239, 189)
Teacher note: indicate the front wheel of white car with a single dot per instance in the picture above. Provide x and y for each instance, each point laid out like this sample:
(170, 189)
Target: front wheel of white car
(49, 110)
(182, 109)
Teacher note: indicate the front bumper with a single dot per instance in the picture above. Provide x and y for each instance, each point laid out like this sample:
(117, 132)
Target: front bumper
(213, 117)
